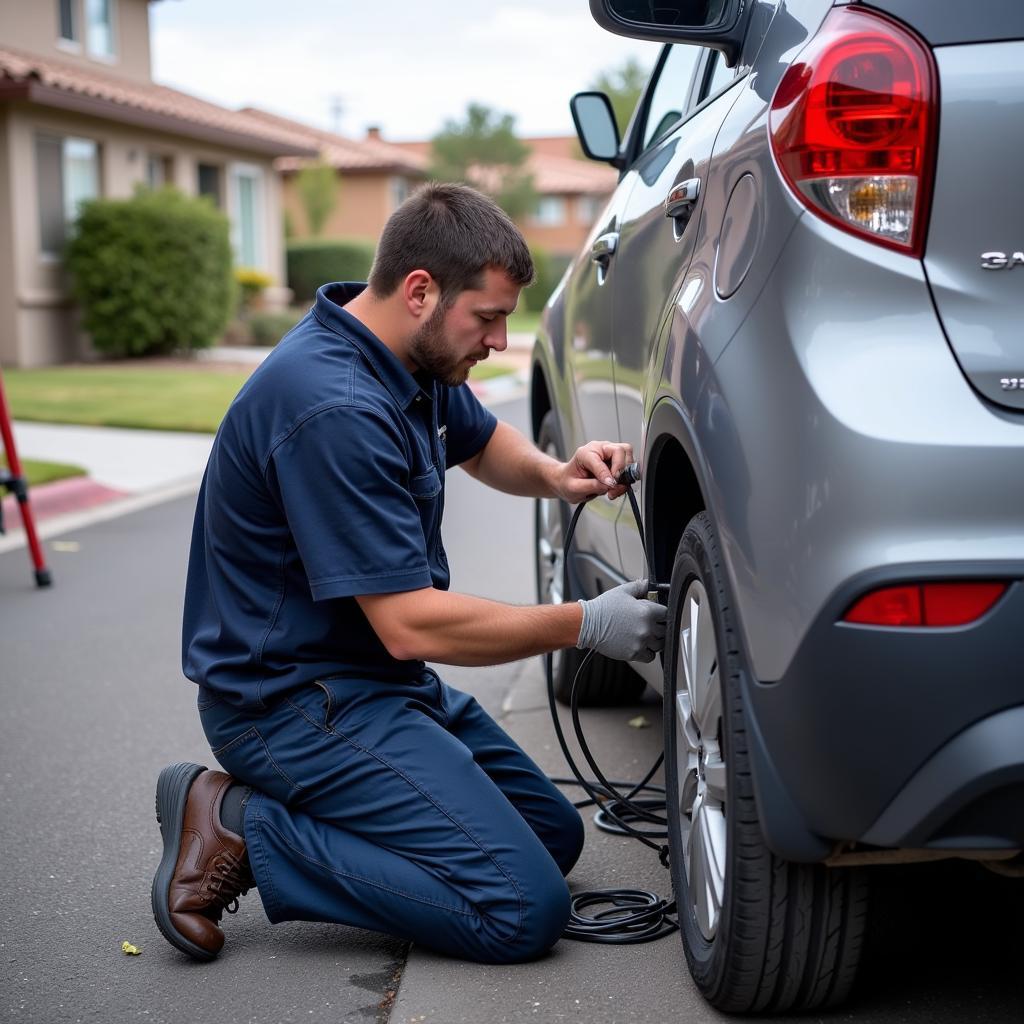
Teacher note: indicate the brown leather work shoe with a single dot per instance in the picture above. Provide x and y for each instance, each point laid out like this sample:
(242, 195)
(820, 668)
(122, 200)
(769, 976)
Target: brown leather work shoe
(204, 868)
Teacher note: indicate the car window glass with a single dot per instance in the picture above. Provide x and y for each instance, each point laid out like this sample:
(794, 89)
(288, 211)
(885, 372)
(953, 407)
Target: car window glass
(668, 101)
(721, 76)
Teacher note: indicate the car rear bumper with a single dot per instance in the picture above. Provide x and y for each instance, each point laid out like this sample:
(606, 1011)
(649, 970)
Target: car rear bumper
(846, 451)
(903, 738)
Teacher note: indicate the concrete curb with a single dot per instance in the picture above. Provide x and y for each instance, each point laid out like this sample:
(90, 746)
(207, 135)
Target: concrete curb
(77, 519)
(500, 389)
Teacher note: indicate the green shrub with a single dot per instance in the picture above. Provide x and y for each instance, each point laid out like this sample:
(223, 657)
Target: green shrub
(559, 265)
(270, 328)
(313, 262)
(152, 273)
(537, 294)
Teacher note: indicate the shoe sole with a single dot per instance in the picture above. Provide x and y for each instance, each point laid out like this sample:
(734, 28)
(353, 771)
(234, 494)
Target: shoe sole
(171, 796)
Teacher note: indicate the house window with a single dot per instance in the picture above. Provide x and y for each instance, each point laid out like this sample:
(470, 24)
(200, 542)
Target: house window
(550, 211)
(99, 28)
(67, 173)
(247, 220)
(588, 208)
(67, 21)
(399, 192)
(159, 171)
(208, 182)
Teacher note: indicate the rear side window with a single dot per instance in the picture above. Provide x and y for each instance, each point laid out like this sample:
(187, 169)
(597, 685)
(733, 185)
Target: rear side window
(718, 76)
(668, 99)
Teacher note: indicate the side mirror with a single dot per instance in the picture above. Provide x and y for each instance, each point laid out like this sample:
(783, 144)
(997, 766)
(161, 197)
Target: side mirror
(719, 24)
(595, 125)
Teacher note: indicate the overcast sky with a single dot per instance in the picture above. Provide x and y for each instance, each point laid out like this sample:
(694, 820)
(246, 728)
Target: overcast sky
(405, 65)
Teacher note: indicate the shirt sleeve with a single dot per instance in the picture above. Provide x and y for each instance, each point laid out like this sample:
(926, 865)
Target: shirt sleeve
(469, 425)
(343, 481)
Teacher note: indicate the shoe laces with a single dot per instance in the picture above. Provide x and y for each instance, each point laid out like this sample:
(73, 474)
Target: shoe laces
(230, 877)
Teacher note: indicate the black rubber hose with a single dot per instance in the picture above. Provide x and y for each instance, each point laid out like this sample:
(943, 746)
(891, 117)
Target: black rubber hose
(630, 915)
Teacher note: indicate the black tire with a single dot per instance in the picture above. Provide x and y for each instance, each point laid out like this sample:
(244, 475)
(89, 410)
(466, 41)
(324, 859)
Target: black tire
(604, 682)
(788, 936)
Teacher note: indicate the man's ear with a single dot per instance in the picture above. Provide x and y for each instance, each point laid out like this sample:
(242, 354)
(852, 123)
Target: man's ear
(421, 293)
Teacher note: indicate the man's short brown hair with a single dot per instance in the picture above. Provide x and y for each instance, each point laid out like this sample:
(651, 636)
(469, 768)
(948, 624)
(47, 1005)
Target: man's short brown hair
(454, 233)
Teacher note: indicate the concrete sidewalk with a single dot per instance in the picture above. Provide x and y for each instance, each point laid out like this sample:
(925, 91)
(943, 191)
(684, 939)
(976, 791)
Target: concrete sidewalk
(131, 469)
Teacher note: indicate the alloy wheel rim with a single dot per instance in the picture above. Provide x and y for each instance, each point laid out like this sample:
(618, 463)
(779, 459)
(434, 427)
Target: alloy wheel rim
(550, 556)
(700, 763)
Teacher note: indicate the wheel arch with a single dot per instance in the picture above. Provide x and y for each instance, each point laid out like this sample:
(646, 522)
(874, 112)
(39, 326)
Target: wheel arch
(540, 395)
(673, 491)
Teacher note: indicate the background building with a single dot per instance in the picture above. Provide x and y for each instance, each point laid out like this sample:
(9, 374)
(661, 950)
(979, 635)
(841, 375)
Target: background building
(374, 176)
(571, 192)
(80, 117)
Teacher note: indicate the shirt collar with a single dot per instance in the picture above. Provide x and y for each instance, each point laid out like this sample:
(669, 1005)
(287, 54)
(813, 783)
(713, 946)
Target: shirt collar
(386, 365)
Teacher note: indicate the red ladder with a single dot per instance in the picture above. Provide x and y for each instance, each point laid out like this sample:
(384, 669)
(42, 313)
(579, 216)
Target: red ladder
(11, 479)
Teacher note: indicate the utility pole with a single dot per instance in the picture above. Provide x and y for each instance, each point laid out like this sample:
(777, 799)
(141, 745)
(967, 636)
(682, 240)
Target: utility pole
(337, 109)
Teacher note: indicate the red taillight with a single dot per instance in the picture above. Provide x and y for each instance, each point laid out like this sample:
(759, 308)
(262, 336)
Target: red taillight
(925, 604)
(852, 126)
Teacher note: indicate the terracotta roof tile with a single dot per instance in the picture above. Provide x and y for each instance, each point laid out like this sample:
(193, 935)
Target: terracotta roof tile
(178, 111)
(553, 174)
(343, 153)
(555, 170)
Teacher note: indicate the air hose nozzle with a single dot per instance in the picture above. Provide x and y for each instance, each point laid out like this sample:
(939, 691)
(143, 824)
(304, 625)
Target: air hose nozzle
(630, 475)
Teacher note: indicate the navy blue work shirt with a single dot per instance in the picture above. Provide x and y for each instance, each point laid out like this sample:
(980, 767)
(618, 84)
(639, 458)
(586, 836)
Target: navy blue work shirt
(326, 480)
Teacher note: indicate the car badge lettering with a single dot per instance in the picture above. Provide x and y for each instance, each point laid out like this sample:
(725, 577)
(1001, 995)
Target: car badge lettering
(1002, 260)
(1012, 383)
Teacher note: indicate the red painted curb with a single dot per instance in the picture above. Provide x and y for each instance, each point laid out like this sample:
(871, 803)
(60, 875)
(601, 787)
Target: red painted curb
(59, 498)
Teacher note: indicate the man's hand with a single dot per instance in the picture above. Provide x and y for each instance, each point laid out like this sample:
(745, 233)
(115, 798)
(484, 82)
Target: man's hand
(593, 470)
(622, 624)
(511, 463)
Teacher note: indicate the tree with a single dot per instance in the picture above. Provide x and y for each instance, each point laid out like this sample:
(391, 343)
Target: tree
(317, 185)
(622, 85)
(483, 151)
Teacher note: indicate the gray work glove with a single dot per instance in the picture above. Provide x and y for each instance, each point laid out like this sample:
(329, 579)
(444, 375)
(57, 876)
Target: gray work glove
(622, 624)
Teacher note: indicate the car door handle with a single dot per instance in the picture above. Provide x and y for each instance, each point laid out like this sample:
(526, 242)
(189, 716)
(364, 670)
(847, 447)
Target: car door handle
(604, 248)
(682, 197)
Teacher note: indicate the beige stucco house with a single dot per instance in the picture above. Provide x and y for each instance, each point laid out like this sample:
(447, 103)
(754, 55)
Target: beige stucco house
(571, 192)
(374, 176)
(80, 117)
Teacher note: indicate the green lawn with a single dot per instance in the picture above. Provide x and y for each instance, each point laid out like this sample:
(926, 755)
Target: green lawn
(484, 371)
(149, 398)
(523, 322)
(152, 398)
(36, 472)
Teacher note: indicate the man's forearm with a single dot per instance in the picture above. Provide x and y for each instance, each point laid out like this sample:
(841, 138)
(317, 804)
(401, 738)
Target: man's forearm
(457, 629)
(509, 462)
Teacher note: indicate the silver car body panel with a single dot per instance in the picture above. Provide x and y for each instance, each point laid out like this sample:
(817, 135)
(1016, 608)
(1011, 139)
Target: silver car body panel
(975, 253)
(890, 455)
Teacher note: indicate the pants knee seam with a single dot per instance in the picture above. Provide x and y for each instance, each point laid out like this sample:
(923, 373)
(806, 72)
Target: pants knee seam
(360, 878)
(268, 893)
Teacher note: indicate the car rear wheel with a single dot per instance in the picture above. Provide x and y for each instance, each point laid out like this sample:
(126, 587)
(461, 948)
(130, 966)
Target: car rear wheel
(759, 933)
(603, 681)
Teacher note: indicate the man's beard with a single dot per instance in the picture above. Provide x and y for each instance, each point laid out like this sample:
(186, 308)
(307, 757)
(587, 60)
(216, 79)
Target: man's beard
(430, 351)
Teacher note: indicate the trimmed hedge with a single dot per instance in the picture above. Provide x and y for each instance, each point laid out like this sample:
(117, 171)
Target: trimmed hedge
(313, 262)
(152, 273)
(544, 282)
(269, 328)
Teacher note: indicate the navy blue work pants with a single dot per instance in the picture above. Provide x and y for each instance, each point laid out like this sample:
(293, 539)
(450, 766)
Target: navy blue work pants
(402, 807)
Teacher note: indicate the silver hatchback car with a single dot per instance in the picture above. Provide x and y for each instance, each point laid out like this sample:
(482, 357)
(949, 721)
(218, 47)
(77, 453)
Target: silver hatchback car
(803, 306)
